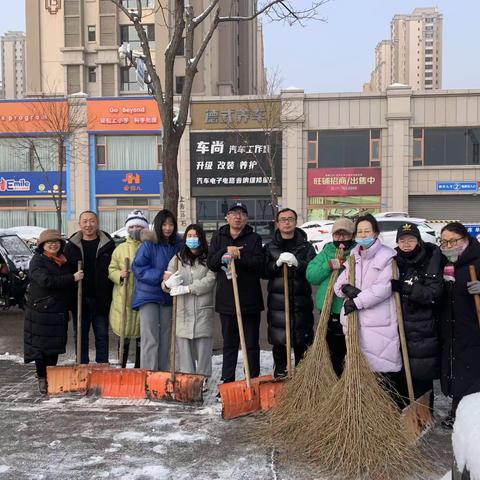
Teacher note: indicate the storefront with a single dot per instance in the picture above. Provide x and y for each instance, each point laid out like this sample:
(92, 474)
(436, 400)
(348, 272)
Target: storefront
(125, 158)
(342, 192)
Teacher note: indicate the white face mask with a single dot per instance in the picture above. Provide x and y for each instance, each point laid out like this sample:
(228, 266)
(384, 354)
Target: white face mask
(452, 254)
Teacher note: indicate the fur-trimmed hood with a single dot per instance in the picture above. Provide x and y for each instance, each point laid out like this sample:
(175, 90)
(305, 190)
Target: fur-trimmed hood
(147, 235)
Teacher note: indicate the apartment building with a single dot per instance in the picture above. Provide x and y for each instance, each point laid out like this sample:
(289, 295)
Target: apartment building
(12, 46)
(413, 55)
(72, 46)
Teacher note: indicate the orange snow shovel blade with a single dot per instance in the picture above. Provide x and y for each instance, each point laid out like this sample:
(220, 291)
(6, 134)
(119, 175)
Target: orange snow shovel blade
(238, 399)
(269, 393)
(186, 389)
(71, 378)
(417, 417)
(118, 383)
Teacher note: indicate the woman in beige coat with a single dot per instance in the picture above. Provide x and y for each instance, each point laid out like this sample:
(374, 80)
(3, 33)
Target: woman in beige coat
(189, 278)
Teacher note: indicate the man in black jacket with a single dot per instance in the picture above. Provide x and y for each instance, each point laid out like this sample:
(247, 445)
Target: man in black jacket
(290, 247)
(94, 249)
(239, 242)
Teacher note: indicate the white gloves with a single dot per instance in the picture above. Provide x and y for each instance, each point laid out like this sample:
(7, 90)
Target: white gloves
(179, 290)
(174, 280)
(288, 258)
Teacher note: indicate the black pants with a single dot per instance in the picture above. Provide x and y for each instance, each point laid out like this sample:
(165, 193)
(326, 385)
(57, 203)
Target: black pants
(126, 347)
(42, 364)
(336, 344)
(279, 353)
(231, 342)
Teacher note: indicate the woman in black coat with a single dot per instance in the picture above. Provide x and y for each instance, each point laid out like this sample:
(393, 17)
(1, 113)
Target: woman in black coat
(290, 246)
(420, 286)
(460, 330)
(46, 312)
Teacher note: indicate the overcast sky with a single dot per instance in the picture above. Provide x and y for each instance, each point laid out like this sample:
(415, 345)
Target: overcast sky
(338, 55)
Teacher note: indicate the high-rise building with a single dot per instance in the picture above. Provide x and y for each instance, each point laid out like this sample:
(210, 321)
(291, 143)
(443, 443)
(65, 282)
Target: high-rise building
(72, 46)
(12, 46)
(413, 56)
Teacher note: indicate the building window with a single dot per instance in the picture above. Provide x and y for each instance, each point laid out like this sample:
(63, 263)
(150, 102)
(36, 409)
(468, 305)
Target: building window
(417, 147)
(428, 82)
(428, 74)
(101, 157)
(429, 52)
(429, 44)
(375, 150)
(428, 59)
(428, 67)
(429, 20)
(429, 35)
(181, 49)
(133, 3)
(429, 28)
(92, 74)
(92, 33)
(159, 155)
(312, 160)
(179, 81)
(128, 80)
(128, 34)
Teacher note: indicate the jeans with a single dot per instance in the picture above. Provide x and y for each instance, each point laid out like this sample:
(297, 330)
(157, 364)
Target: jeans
(99, 324)
(231, 342)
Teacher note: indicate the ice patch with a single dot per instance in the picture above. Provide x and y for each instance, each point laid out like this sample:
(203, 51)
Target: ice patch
(179, 437)
(157, 472)
(165, 422)
(184, 437)
(160, 449)
(447, 476)
(4, 468)
(11, 358)
(466, 435)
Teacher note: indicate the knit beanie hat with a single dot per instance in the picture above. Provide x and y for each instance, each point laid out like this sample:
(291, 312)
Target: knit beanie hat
(136, 218)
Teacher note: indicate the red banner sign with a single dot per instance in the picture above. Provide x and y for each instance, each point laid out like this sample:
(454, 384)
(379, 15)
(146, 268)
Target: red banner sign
(331, 182)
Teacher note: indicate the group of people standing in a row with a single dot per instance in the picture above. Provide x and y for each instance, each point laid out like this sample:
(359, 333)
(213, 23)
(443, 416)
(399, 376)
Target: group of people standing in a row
(442, 329)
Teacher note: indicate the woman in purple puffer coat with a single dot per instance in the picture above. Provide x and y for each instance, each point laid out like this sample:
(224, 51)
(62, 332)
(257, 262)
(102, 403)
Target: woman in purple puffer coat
(372, 297)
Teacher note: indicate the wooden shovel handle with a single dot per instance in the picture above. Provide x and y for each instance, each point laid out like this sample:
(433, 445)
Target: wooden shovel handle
(173, 336)
(79, 315)
(243, 344)
(403, 340)
(476, 297)
(288, 333)
(124, 312)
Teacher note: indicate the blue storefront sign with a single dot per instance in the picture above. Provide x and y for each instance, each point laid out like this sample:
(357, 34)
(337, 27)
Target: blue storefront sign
(31, 184)
(121, 183)
(473, 229)
(457, 186)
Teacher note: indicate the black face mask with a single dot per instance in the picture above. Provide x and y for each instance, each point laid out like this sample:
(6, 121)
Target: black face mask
(344, 244)
(411, 254)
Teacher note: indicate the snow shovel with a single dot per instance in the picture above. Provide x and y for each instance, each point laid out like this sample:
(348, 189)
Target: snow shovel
(124, 313)
(417, 416)
(473, 278)
(241, 397)
(269, 390)
(179, 387)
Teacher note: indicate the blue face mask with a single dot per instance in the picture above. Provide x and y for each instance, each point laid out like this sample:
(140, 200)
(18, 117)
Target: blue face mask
(192, 242)
(365, 242)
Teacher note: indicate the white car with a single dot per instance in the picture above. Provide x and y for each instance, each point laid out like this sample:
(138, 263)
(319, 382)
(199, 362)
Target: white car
(388, 231)
(318, 232)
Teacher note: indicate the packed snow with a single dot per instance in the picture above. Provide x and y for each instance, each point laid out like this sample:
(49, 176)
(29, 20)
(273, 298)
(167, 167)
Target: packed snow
(466, 435)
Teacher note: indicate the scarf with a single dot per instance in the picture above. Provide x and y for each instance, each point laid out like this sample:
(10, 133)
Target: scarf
(59, 260)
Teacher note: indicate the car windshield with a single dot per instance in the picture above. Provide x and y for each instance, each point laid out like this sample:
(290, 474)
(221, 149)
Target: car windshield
(15, 246)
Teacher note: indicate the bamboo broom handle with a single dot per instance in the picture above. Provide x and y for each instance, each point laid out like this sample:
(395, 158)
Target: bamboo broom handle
(124, 313)
(403, 340)
(243, 345)
(79, 316)
(288, 332)
(473, 278)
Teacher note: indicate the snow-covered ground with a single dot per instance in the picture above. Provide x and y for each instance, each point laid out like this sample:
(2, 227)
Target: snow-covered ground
(78, 437)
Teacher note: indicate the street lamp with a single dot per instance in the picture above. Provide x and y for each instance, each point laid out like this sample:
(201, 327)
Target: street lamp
(132, 58)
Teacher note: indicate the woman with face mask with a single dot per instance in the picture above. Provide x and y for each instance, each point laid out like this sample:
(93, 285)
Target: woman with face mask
(420, 286)
(319, 271)
(460, 331)
(135, 223)
(372, 297)
(193, 284)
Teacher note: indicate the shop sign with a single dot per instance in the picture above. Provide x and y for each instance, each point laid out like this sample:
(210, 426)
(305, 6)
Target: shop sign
(474, 230)
(121, 183)
(123, 114)
(229, 160)
(26, 116)
(343, 181)
(30, 184)
(458, 186)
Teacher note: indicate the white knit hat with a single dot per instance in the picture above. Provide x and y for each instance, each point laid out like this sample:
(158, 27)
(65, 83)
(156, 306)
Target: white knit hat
(136, 218)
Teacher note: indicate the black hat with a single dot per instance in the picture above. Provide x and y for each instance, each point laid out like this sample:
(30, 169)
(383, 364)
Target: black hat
(409, 229)
(239, 205)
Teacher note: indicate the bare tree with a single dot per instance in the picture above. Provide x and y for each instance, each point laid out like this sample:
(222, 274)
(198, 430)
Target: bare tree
(182, 22)
(61, 120)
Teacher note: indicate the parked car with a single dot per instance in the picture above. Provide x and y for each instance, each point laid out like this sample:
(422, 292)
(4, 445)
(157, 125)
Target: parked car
(15, 256)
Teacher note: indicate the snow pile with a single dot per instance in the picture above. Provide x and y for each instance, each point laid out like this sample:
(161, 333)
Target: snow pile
(466, 435)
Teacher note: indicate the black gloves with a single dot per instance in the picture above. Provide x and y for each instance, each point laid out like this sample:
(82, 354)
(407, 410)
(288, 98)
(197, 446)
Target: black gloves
(397, 285)
(349, 306)
(350, 291)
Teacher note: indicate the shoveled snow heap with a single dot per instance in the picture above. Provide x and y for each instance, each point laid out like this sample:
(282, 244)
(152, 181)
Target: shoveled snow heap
(466, 435)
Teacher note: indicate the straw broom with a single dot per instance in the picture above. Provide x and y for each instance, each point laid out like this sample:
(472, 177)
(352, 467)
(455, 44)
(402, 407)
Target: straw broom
(311, 384)
(357, 432)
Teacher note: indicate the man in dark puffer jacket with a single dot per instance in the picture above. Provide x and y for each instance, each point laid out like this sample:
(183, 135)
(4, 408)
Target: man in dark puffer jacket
(291, 247)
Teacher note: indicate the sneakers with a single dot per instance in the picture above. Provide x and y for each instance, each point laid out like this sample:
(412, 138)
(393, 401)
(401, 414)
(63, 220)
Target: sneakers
(279, 373)
(448, 422)
(42, 385)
